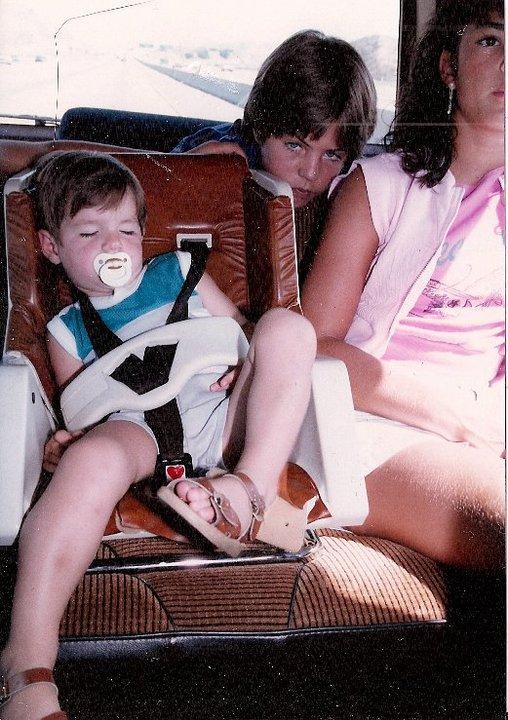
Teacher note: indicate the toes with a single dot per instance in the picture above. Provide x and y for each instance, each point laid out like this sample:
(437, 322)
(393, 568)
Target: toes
(190, 493)
(197, 495)
(181, 489)
(206, 512)
(197, 499)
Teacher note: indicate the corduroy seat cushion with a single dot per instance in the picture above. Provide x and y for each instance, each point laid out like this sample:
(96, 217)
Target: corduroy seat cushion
(347, 581)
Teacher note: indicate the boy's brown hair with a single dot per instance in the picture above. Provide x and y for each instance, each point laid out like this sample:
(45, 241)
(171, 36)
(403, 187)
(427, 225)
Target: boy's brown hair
(307, 83)
(66, 181)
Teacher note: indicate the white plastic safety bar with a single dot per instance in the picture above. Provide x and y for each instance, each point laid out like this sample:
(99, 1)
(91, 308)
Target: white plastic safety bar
(326, 447)
(25, 425)
(202, 343)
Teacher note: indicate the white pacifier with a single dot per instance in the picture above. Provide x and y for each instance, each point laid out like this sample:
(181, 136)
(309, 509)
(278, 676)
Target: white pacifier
(114, 269)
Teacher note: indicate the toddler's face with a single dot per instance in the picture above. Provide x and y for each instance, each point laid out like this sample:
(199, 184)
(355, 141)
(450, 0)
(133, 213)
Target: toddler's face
(308, 165)
(92, 232)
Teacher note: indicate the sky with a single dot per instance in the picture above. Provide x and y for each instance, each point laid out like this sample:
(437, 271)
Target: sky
(25, 22)
(98, 43)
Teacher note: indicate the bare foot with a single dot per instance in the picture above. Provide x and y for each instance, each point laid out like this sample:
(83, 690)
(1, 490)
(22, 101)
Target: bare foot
(199, 500)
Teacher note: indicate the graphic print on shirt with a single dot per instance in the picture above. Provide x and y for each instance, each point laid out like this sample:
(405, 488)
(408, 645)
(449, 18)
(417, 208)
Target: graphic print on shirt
(469, 272)
(460, 313)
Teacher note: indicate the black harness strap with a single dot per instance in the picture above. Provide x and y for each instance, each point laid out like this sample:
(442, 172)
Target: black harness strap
(153, 370)
(199, 252)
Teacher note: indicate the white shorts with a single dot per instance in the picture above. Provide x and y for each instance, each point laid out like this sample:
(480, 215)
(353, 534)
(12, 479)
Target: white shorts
(379, 439)
(203, 414)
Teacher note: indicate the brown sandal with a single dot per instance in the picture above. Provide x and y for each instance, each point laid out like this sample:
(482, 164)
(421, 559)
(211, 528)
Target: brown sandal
(19, 681)
(281, 525)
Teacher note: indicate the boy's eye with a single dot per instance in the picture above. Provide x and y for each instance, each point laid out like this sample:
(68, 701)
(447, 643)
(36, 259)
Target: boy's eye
(88, 234)
(338, 155)
(128, 232)
(293, 144)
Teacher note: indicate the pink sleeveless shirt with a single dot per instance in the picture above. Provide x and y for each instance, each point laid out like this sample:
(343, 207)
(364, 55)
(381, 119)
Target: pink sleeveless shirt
(457, 323)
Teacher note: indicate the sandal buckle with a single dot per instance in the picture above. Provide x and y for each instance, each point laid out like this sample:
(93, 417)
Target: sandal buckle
(175, 468)
(257, 510)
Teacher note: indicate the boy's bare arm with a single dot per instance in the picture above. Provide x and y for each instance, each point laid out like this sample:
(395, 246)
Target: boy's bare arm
(55, 446)
(16, 155)
(216, 302)
(65, 368)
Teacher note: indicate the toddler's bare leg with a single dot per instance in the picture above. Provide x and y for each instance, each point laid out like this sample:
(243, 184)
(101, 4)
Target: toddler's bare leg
(265, 412)
(444, 499)
(58, 541)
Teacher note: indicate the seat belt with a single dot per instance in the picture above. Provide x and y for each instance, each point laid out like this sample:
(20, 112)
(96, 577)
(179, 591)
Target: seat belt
(153, 370)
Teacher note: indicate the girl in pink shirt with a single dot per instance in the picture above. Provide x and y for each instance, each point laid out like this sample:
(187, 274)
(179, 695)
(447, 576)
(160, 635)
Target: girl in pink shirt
(407, 289)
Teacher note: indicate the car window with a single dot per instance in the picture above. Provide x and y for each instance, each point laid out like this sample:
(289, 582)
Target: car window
(194, 58)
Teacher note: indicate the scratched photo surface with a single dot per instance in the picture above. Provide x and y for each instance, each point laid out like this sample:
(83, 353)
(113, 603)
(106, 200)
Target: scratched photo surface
(199, 59)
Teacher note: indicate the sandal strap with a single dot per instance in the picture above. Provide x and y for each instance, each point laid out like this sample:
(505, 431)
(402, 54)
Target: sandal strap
(257, 503)
(256, 499)
(226, 520)
(19, 681)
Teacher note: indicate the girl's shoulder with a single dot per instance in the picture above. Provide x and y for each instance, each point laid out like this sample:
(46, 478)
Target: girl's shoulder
(385, 162)
(385, 178)
(379, 170)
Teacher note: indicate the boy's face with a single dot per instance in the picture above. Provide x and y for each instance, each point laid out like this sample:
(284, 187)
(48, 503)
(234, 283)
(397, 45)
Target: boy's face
(91, 232)
(308, 165)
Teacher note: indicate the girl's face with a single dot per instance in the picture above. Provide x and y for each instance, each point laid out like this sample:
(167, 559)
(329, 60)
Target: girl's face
(479, 75)
(308, 165)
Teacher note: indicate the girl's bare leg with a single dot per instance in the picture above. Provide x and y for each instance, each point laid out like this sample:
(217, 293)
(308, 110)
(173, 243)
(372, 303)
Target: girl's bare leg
(265, 411)
(58, 541)
(444, 499)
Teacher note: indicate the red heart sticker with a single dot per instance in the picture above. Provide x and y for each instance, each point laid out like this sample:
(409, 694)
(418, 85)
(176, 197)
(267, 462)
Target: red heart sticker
(173, 472)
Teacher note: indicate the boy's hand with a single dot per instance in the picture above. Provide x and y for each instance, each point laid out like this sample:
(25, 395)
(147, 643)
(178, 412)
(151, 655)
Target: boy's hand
(55, 446)
(228, 380)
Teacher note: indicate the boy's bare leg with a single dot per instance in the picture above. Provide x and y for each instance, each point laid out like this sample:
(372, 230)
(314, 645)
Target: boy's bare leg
(58, 541)
(444, 499)
(265, 412)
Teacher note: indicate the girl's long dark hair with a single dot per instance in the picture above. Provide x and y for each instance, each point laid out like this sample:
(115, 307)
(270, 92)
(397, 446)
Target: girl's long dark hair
(422, 131)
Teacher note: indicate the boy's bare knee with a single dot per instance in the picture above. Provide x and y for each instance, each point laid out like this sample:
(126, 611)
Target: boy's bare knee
(99, 457)
(283, 326)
